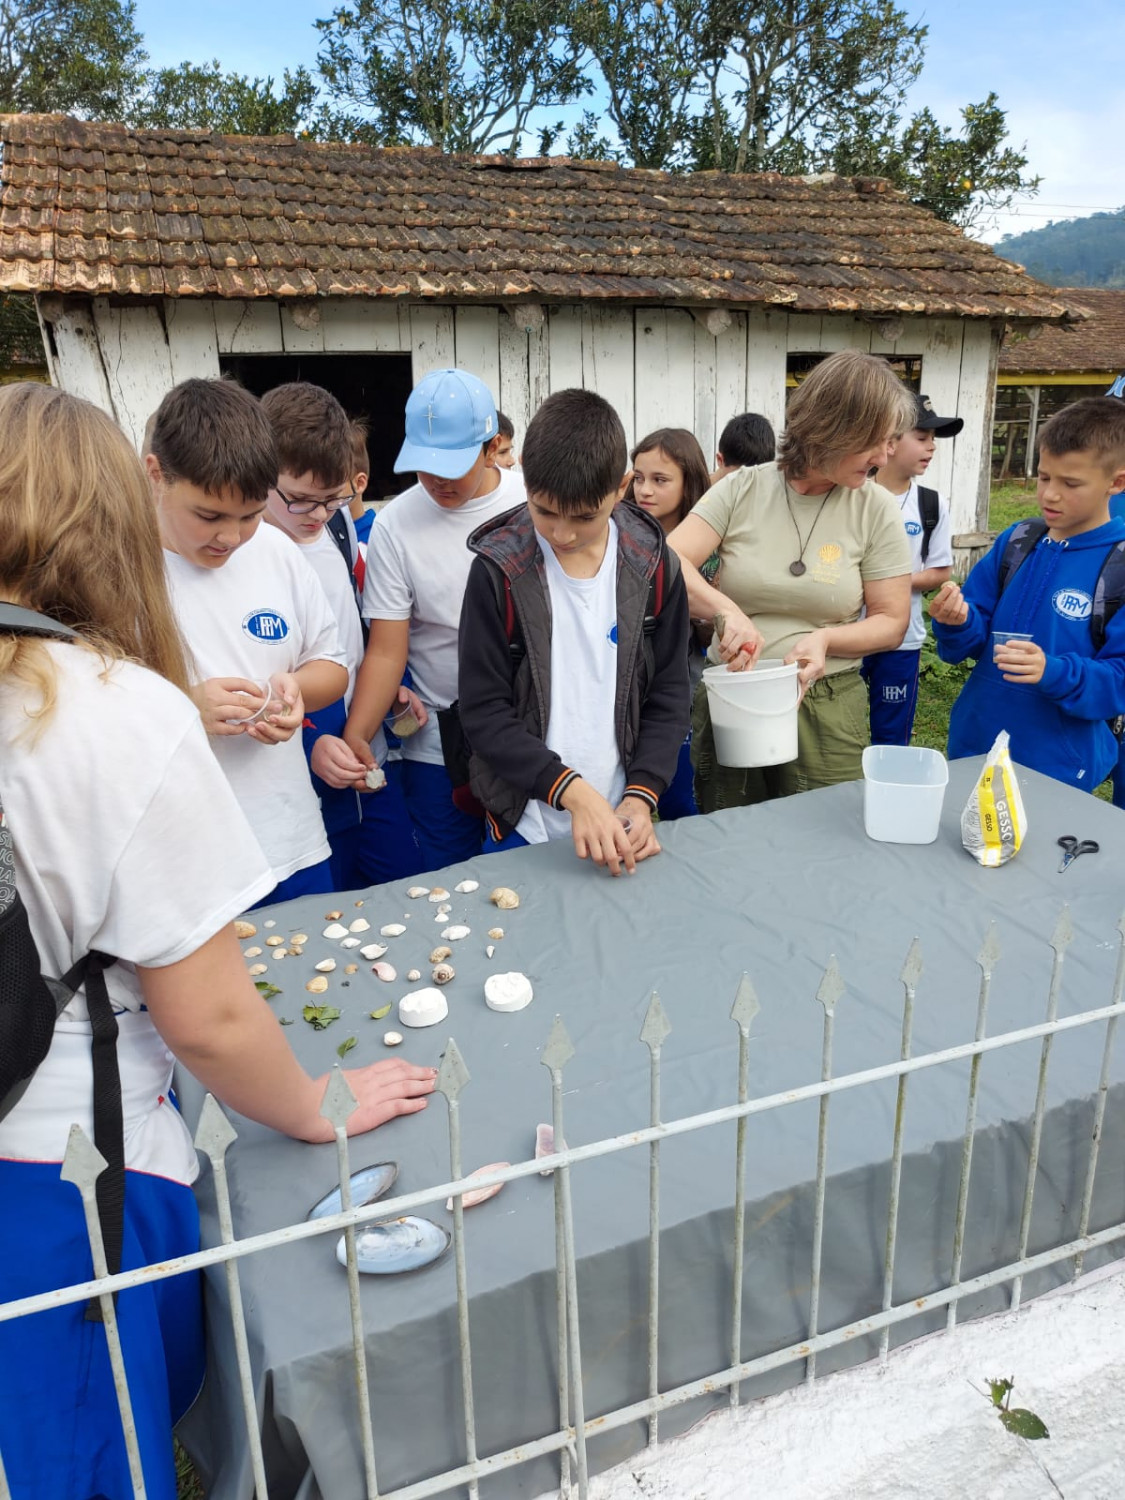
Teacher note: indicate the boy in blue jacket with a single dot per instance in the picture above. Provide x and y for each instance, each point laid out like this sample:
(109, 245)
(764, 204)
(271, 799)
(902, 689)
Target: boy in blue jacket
(1056, 692)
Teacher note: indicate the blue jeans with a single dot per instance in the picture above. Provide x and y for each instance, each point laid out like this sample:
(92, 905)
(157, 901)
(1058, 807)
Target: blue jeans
(892, 688)
(445, 834)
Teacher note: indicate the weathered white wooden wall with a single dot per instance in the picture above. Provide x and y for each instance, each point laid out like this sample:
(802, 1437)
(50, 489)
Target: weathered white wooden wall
(660, 367)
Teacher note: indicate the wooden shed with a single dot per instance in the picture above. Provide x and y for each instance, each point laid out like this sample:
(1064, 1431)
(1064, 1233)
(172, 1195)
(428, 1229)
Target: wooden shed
(155, 255)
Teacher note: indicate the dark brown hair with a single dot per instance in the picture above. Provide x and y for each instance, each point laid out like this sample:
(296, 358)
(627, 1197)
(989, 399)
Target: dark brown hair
(574, 452)
(312, 432)
(361, 461)
(214, 434)
(682, 447)
(1094, 425)
(747, 440)
(504, 425)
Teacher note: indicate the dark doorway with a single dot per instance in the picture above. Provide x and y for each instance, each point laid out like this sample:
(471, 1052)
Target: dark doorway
(374, 386)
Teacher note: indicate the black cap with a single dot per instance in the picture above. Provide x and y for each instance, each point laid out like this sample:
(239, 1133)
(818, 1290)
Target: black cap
(929, 421)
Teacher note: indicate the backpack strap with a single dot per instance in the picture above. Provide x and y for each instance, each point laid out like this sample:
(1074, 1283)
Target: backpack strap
(22, 621)
(1109, 594)
(337, 529)
(929, 509)
(1021, 543)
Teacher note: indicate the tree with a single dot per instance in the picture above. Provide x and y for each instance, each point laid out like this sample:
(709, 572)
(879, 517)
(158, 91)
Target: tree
(462, 75)
(205, 98)
(80, 57)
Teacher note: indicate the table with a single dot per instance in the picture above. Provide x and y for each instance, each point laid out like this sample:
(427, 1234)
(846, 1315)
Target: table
(773, 890)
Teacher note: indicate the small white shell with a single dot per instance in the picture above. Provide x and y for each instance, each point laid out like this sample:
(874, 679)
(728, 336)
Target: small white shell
(254, 952)
(325, 966)
(394, 1039)
(496, 933)
(507, 992)
(504, 897)
(417, 891)
(392, 929)
(270, 923)
(439, 953)
(453, 934)
(274, 942)
(361, 924)
(442, 973)
(442, 914)
(413, 975)
(423, 1008)
(257, 969)
(317, 986)
(439, 893)
(489, 951)
(373, 951)
(385, 972)
(374, 779)
(463, 887)
(278, 953)
(335, 930)
(246, 929)
(298, 939)
(349, 942)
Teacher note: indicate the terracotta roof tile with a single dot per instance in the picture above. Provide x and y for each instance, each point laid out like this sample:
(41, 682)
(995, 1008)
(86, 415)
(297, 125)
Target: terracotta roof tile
(1096, 344)
(104, 209)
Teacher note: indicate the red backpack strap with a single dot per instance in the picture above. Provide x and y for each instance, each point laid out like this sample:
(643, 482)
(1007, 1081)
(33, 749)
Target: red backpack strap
(509, 611)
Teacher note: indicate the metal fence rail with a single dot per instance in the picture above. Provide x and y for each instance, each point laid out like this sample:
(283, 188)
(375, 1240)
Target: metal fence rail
(215, 1135)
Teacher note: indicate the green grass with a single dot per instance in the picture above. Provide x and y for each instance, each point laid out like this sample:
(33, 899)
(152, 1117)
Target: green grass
(1010, 502)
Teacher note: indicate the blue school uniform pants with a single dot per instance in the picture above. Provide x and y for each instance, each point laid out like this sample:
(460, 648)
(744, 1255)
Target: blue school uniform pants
(445, 834)
(892, 690)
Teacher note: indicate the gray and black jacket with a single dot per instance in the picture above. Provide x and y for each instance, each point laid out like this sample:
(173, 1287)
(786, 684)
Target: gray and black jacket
(504, 676)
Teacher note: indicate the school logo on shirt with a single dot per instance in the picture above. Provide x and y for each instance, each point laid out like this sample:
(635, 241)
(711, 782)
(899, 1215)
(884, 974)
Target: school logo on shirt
(1072, 604)
(913, 528)
(827, 566)
(611, 634)
(266, 625)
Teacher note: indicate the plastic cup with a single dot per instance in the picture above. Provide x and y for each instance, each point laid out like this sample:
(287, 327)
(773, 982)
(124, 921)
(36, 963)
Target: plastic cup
(265, 694)
(403, 722)
(1002, 637)
(626, 823)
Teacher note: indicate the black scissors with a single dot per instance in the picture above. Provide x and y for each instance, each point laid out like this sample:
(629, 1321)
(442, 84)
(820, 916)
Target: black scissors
(1072, 849)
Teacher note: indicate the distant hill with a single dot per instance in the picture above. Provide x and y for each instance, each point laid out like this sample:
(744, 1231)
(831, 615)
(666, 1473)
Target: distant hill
(1079, 252)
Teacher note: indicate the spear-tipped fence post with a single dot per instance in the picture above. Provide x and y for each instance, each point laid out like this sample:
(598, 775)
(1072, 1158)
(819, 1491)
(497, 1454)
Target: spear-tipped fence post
(911, 972)
(1103, 1092)
(214, 1136)
(829, 991)
(337, 1107)
(743, 1011)
(653, 1033)
(452, 1077)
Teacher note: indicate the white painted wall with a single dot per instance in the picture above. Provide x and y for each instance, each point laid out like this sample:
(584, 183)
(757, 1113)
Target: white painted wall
(662, 366)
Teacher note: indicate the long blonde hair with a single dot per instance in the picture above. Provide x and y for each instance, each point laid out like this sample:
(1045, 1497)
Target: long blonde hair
(79, 540)
(849, 403)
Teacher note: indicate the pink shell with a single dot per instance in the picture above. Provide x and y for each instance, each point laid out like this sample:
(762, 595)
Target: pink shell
(384, 971)
(480, 1195)
(545, 1145)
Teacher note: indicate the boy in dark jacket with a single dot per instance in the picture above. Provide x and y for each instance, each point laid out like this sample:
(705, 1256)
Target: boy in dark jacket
(573, 667)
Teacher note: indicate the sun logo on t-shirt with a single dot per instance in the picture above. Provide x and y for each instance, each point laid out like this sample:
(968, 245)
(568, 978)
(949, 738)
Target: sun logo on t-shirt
(830, 553)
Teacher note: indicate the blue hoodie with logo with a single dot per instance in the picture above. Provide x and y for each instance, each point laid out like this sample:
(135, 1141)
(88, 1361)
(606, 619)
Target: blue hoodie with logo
(1057, 725)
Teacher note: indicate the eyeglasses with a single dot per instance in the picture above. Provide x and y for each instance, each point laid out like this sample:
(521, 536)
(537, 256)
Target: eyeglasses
(306, 507)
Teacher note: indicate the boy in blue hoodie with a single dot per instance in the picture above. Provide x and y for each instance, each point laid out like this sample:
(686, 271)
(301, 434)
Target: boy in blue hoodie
(1053, 693)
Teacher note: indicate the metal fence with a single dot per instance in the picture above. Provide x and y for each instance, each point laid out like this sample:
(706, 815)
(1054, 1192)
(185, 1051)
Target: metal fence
(215, 1135)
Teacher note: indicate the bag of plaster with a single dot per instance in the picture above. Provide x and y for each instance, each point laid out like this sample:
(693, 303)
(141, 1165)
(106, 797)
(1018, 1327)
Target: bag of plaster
(993, 824)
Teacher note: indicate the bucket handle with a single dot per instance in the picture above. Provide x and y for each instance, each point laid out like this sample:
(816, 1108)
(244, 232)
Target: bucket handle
(763, 713)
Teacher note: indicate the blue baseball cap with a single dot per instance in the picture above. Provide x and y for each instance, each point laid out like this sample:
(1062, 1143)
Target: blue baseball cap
(1118, 388)
(449, 416)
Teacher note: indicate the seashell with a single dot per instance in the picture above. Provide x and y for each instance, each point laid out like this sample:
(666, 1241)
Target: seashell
(270, 923)
(333, 916)
(396, 1245)
(465, 886)
(479, 1195)
(278, 953)
(489, 951)
(423, 1008)
(256, 969)
(496, 933)
(385, 972)
(374, 779)
(373, 951)
(244, 929)
(504, 897)
(317, 985)
(416, 891)
(439, 894)
(294, 952)
(274, 942)
(439, 953)
(351, 968)
(361, 924)
(455, 934)
(335, 930)
(392, 1039)
(507, 992)
(361, 903)
(365, 1186)
(545, 1145)
(442, 973)
(349, 942)
(325, 966)
(442, 914)
(254, 952)
(413, 975)
(298, 939)
(392, 929)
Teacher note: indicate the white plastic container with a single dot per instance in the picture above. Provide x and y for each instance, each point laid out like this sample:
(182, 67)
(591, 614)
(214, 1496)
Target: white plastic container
(754, 713)
(903, 792)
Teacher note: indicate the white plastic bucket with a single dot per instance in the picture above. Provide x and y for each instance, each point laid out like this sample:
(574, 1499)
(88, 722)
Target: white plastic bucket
(754, 713)
(903, 792)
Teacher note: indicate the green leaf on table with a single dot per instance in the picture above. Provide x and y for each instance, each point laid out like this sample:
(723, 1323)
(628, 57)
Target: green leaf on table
(320, 1016)
(1024, 1423)
(377, 1015)
(266, 989)
(346, 1046)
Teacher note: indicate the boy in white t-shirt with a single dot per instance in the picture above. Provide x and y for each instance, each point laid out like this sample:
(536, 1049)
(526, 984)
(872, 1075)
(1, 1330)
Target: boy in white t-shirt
(417, 567)
(369, 829)
(261, 635)
(892, 676)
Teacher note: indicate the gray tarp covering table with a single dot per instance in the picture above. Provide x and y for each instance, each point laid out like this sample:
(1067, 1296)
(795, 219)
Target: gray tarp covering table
(774, 891)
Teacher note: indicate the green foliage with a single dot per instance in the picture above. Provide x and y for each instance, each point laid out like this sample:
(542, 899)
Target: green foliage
(205, 98)
(20, 339)
(1079, 252)
(79, 57)
(346, 1046)
(1018, 1419)
(377, 1015)
(266, 989)
(320, 1016)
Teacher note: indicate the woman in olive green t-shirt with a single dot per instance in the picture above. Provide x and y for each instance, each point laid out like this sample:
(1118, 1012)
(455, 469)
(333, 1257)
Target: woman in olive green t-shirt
(815, 569)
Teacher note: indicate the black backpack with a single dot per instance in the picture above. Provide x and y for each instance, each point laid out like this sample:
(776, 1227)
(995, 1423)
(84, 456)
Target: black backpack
(1109, 591)
(929, 511)
(31, 1003)
(338, 530)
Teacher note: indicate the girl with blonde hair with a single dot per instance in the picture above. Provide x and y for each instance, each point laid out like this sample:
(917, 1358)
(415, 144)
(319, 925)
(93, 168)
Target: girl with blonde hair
(815, 569)
(128, 842)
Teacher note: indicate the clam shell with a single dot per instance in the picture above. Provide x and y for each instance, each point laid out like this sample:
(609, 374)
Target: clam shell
(270, 923)
(439, 953)
(396, 1245)
(244, 929)
(349, 942)
(325, 966)
(254, 952)
(385, 972)
(496, 933)
(278, 953)
(392, 929)
(298, 939)
(504, 897)
(295, 952)
(423, 1008)
(415, 892)
(335, 930)
(317, 985)
(454, 934)
(442, 973)
(507, 992)
(442, 914)
(392, 1039)
(463, 887)
(366, 1185)
(274, 941)
(374, 779)
(256, 969)
(545, 1145)
(439, 893)
(413, 975)
(361, 924)
(333, 916)
(373, 951)
(480, 1195)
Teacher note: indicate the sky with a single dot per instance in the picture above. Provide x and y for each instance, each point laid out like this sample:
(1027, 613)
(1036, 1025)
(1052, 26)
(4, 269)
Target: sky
(1058, 69)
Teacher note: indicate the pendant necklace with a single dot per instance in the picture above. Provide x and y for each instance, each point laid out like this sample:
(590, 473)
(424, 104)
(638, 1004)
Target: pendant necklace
(797, 568)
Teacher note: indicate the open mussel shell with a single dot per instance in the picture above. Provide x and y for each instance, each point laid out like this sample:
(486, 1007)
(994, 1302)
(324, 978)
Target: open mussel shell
(367, 1184)
(396, 1245)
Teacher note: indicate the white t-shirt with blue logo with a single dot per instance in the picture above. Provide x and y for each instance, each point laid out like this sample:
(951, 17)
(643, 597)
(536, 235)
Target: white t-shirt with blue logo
(580, 729)
(940, 556)
(263, 611)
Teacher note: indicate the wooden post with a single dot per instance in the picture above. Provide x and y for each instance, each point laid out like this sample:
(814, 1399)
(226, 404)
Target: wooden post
(1033, 393)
